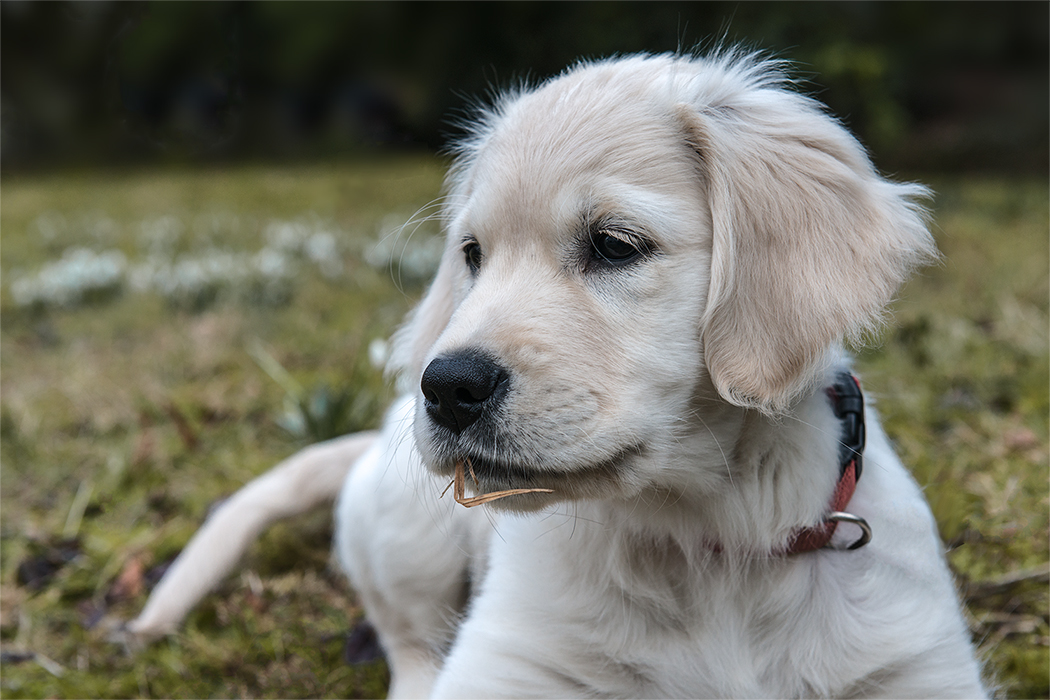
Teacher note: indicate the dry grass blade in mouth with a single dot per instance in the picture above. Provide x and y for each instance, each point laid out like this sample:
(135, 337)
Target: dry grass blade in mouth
(459, 482)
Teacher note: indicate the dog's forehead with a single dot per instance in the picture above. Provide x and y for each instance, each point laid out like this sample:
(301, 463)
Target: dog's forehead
(576, 142)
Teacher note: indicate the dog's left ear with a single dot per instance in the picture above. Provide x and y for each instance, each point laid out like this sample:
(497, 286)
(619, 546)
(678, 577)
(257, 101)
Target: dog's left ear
(413, 340)
(809, 242)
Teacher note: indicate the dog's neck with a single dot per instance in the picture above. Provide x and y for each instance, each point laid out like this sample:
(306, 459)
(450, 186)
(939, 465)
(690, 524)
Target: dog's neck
(754, 481)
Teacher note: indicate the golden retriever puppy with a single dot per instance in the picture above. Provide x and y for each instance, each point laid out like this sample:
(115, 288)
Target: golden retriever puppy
(631, 353)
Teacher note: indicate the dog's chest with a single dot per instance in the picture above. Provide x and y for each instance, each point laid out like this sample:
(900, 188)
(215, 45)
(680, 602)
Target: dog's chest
(641, 622)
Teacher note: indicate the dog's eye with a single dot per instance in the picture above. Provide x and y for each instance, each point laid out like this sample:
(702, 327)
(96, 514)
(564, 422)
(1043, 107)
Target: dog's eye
(612, 249)
(472, 254)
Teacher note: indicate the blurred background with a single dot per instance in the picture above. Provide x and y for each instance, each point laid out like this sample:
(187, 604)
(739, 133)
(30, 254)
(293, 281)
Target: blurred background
(926, 85)
(214, 214)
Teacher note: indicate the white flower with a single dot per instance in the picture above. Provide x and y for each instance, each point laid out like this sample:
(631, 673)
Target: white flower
(80, 275)
(379, 353)
(412, 248)
(159, 236)
(321, 249)
(286, 236)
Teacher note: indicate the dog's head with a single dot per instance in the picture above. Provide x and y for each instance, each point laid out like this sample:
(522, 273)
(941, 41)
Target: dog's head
(630, 236)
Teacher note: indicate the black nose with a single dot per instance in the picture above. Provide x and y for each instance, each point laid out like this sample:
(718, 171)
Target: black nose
(459, 387)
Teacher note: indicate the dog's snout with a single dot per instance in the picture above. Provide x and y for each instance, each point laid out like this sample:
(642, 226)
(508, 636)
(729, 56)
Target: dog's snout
(459, 387)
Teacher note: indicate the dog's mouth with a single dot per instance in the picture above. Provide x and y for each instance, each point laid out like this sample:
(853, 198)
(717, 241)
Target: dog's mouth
(536, 487)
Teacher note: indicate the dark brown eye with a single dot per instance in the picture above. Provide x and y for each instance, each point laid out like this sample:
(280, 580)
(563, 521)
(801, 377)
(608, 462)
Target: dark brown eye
(472, 254)
(613, 250)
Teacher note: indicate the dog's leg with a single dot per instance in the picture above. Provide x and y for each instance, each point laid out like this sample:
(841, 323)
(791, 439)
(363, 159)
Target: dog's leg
(306, 479)
(407, 553)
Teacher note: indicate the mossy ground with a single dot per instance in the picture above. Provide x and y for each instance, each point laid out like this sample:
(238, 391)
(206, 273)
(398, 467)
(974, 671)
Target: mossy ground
(123, 420)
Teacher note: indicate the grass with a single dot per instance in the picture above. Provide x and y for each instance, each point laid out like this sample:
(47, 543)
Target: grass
(125, 416)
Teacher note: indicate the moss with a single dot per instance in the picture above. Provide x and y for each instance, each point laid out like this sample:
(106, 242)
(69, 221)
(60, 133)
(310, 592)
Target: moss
(962, 382)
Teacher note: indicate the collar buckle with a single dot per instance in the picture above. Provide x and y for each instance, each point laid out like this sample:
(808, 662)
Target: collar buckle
(847, 402)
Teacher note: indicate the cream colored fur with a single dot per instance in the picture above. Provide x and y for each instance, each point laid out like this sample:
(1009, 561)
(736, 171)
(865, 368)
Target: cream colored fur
(673, 404)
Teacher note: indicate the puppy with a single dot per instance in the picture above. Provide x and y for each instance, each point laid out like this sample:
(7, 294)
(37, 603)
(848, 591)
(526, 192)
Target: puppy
(651, 265)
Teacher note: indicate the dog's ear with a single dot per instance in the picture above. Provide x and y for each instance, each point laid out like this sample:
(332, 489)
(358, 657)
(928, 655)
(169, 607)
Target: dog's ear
(424, 325)
(809, 242)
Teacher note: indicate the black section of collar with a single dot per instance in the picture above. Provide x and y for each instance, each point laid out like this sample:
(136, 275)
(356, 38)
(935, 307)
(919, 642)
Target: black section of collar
(848, 403)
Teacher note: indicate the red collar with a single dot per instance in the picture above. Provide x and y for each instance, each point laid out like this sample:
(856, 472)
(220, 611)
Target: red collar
(848, 403)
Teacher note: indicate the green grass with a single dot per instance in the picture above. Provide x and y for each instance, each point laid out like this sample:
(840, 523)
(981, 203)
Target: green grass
(123, 420)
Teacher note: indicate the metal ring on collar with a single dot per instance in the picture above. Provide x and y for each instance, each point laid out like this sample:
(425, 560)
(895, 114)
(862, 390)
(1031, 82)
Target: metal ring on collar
(865, 537)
